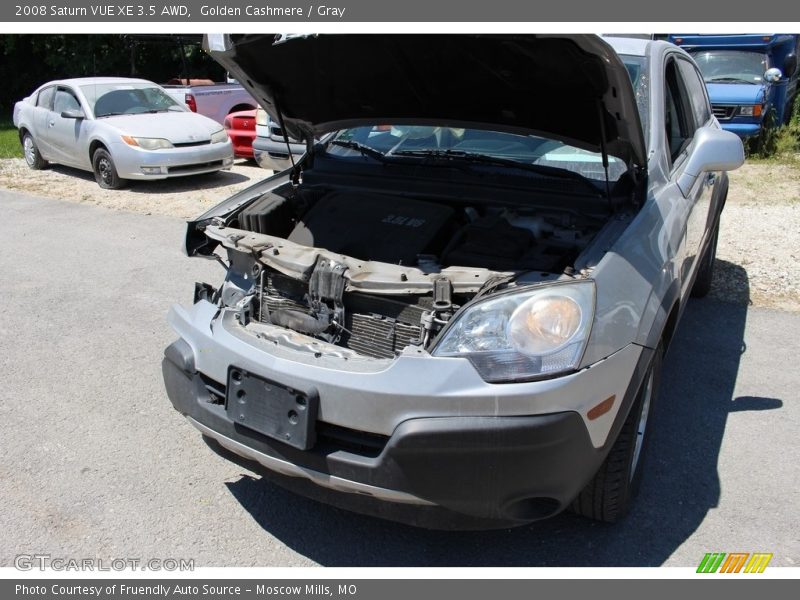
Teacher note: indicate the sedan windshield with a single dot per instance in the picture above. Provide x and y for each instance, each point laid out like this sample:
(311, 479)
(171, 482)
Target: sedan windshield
(474, 146)
(110, 99)
(731, 66)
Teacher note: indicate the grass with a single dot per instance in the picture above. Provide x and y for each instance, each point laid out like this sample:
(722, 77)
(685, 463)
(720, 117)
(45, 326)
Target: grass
(9, 141)
(782, 143)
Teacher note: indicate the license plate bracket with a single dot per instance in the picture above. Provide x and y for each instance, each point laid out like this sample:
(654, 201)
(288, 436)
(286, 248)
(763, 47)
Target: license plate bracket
(275, 410)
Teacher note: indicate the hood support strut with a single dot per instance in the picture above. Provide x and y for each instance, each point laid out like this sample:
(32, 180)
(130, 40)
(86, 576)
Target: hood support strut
(295, 171)
(601, 118)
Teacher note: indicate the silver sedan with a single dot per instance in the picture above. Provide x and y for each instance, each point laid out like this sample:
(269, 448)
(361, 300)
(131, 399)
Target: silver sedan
(119, 129)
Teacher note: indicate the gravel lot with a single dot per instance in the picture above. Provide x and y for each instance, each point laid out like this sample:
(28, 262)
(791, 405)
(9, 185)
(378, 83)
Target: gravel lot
(184, 197)
(757, 258)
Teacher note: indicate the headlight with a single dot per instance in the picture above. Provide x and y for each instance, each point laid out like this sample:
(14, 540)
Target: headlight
(751, 110)
(524, 334)
(147, 143)
(261, 117)
(219, 136)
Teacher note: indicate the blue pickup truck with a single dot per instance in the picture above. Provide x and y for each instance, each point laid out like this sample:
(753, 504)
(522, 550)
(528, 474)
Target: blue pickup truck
(751, 78)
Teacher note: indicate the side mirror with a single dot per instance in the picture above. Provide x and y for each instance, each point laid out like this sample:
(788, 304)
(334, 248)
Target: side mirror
(73, 113)
(714, 150)
(773, 75)
(790, 64)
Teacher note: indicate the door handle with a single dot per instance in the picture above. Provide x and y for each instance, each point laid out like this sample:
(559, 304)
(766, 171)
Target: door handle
(51, 124)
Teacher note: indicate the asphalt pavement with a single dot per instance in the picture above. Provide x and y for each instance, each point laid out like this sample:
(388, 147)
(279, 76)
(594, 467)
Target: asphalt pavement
(96, 463)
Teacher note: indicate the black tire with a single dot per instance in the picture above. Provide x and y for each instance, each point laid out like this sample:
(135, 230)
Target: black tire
(31, 153)
(105, 173)
(608, 497)
(705, 272)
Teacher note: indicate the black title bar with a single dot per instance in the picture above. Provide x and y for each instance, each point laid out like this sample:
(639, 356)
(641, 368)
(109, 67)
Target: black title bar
(440, 11)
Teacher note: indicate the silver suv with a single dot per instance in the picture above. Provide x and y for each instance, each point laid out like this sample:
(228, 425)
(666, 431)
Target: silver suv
(455, 309)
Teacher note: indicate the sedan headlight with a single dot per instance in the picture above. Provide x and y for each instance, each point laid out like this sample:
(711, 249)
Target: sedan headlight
(261, 117)
(524, 334)
(219, 136)
(147, 143)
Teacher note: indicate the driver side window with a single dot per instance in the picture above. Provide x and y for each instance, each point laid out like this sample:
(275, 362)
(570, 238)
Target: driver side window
(65, 100)
(679, 122)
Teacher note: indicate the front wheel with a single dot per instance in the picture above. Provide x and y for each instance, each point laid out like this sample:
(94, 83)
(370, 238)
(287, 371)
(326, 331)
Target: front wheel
(31, 152)
(609, 496)
(105, 173)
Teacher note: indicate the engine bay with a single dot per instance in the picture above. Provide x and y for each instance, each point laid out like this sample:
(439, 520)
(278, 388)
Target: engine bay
(428, 235)
(337, 240)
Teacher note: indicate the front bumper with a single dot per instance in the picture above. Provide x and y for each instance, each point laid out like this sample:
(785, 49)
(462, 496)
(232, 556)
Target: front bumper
(135, 163)
(510, 453)
(743, 130)
(242, 140)
(272, 154)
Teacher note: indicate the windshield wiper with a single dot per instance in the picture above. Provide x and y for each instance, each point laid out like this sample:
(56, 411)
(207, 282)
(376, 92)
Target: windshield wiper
(364, 150)
(111, 114)
(476, 157)
(730, 80)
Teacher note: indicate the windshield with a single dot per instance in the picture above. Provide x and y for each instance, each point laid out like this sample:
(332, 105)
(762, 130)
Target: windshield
(387, 142)
(637, 71)
(731, 66)
(109, 99)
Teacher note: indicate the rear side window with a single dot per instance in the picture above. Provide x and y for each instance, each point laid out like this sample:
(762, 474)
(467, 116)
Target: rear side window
(679, 119)
(65, 100)
(696, 90)
(45, 99)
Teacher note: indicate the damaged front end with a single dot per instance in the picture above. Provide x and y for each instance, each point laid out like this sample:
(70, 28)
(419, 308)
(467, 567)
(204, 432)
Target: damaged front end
(365, 273)
(441, 237)
(361, 330)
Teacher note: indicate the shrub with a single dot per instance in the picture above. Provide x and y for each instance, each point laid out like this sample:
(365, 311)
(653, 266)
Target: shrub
(778, 142)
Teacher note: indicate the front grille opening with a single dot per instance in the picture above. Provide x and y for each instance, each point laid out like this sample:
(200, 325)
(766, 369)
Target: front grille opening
(334, 437)
(376, 326)
(378, 336)
(191, 144)
(216, 390)
(723, 112)
(216, 164)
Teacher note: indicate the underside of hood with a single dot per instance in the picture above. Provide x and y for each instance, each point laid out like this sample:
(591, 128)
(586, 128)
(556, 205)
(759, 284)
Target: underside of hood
(573, 88)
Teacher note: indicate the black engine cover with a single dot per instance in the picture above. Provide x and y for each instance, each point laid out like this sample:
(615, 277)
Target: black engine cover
(372, 226)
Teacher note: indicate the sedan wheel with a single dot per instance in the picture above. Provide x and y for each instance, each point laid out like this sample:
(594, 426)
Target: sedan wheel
(105, 173)
(31, 152)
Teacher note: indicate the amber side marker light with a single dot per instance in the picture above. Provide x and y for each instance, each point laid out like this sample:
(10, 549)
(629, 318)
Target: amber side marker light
(601, 409)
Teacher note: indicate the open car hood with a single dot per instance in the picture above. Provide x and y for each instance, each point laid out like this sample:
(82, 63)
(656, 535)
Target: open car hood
(555, 86)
